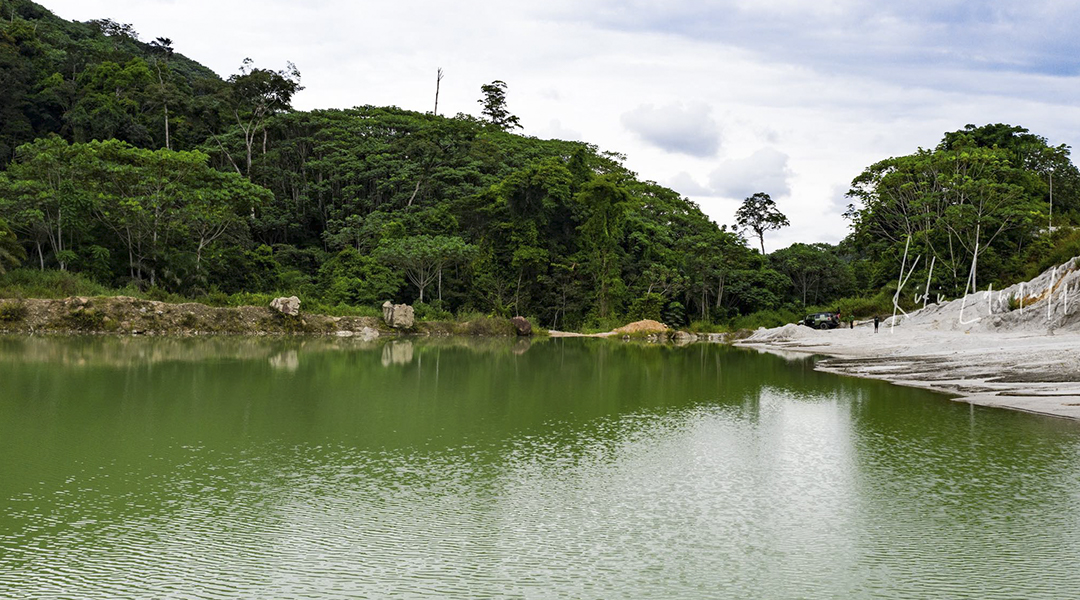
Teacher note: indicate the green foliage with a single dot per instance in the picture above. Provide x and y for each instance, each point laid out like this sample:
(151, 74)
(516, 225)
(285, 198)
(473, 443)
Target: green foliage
(431, 312)
(815, 271)
(11, 253)
(94, 80)
(355, 279)
(83, 319)
(706, 327)
(12, 311)
(494, 103)
(138, 168)
(27, 283)
(81, 204)
(860, 307)
(978, 198)
(423, 257)
(765, 318)
(1050, 250)
(759, 214)
(674, 315)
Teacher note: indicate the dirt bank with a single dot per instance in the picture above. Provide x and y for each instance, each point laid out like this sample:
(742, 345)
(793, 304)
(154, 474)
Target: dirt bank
(122, 315)
(125, 315)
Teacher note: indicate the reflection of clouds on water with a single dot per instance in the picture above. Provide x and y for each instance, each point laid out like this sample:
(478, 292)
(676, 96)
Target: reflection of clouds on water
(288, 360)
(397, 352)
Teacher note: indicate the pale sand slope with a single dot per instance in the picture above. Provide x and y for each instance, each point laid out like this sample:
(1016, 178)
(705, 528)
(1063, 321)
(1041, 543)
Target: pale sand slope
(1025, 360)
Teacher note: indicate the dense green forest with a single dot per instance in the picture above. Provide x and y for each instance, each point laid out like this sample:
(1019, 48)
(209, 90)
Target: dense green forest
(134, 167)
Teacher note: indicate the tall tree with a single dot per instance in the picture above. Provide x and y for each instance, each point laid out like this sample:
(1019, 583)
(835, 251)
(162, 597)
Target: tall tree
(11, 253)
(604, 204)
(759, 214)
(163, 51)
(494, 103)
(255, 95)
(46, 199)
(423, 257)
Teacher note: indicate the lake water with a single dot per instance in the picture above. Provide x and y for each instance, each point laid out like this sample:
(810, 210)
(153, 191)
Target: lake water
(233, 468)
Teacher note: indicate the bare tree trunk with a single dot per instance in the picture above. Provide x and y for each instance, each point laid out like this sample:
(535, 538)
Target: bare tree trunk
(415, 190)
(438, 81)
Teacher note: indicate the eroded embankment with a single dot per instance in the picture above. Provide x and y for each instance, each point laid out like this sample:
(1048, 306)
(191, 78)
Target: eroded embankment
(126, 315)
(123, 315)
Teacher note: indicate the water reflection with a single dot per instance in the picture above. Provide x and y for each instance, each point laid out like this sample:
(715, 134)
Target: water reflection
(397, 352)
(564, 468)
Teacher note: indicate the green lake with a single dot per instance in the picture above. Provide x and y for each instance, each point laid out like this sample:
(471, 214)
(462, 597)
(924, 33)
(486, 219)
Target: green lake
(282, 468)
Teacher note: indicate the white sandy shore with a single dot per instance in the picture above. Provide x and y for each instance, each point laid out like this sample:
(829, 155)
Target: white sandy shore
(1018, 348)
(1031, 372)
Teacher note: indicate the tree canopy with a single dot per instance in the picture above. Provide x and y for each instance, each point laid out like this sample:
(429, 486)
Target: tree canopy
(133, 165)
(759, 214)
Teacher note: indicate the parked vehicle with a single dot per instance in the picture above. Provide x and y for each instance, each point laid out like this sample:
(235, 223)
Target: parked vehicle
(822, 320)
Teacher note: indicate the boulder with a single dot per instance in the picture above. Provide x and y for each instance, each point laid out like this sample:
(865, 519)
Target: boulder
(286, 306)
(522, 325)
(399, 316)
(681, 338)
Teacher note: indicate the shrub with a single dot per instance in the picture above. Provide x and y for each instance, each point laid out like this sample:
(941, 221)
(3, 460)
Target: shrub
(12, 312)
(83, 319)
(32, 283)
(765, 318)
(431, 312)
(706, 327)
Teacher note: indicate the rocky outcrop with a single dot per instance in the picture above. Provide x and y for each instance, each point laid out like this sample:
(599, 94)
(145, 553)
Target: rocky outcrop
(287, 306)
(398, 316)
(522, 326)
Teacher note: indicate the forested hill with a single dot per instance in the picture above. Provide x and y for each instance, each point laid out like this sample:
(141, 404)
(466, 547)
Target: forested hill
(94, 80)
(132, 166)
(148, 170)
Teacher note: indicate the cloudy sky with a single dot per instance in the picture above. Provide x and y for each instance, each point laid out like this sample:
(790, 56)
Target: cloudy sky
(716, 99)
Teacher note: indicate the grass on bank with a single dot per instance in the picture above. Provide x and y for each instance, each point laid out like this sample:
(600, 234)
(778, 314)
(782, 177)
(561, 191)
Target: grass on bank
(20, 284)
(52, 284)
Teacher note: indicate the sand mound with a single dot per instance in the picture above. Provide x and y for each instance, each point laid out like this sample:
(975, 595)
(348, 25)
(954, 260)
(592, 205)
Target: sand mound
(780, 334)
(646, 326)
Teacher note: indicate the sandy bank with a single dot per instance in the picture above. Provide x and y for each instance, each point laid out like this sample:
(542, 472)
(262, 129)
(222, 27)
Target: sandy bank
(1029, 372)
(984, 348)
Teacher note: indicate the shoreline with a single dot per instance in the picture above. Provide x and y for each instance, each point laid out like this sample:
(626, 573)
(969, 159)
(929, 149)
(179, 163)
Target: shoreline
(125, 316)
(1026, 371)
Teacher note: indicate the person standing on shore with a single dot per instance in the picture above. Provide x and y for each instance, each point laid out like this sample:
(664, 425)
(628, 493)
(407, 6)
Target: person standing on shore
(876, 321)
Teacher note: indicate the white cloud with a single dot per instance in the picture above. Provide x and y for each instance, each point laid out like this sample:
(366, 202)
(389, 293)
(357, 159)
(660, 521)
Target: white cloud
(689, 130)
(763, 171)
(556, 131)
(685, 184)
